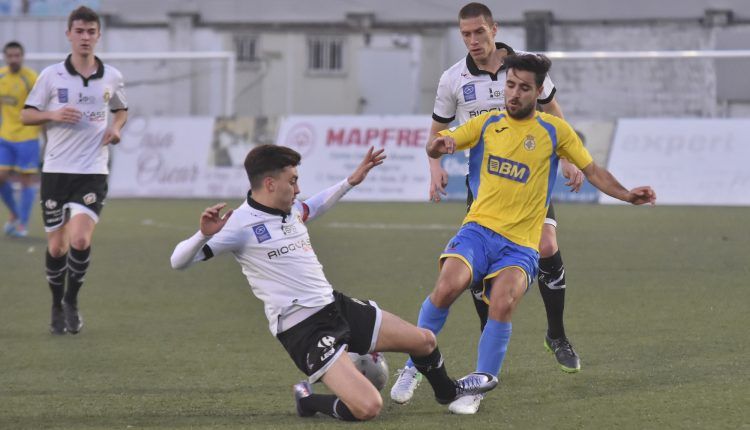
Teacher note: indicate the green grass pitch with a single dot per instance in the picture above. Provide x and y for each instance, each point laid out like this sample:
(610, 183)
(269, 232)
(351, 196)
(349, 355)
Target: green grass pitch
(658, 307)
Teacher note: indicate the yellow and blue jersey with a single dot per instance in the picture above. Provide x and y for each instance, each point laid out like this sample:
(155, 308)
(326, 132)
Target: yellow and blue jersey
(14, 88)
(512, 169)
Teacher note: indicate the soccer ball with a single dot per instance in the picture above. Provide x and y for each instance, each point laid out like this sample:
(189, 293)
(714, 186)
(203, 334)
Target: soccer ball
(373, 366)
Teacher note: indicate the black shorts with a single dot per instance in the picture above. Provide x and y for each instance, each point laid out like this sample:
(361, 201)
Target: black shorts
(549, 219)
(61, 192)
(346, 324)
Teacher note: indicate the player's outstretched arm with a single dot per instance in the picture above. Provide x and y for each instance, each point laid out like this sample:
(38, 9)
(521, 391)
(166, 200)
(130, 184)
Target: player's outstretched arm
(212, 221)
(602, 179)
(190, 250)
(324, 200)
(372, 158)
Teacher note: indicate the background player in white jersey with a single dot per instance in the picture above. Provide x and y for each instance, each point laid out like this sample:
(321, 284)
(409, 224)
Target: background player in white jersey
(467, 89)
(316, 325)
(73, 100)
(19, 144)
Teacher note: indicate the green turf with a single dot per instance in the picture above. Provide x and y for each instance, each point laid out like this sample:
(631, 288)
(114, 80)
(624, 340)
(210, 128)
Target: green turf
(658, 308)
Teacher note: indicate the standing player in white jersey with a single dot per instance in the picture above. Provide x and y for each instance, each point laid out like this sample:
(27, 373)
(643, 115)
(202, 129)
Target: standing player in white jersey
(73, 100)
(316, 324)
(467, 89)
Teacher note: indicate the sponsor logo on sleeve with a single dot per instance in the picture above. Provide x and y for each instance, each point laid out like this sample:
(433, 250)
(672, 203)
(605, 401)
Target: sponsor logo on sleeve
(261, 233)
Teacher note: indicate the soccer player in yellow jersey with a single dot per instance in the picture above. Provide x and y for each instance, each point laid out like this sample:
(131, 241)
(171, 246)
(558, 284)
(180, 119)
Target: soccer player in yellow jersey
(514, 155)
(19, 144)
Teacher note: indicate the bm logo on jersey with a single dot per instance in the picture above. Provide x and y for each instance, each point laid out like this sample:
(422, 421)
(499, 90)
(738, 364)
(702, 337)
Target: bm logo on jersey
(508, 169)
(470, 93)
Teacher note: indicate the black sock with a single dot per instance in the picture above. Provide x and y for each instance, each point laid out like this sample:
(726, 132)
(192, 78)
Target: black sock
(78, 263)
(328, 404)
(483, 311)
(433, 368)
(56, 268)
(552, 287)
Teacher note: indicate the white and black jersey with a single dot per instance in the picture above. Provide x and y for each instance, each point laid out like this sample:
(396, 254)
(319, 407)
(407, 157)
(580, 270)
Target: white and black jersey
(78, 148)
(465, 91)
(275, 253)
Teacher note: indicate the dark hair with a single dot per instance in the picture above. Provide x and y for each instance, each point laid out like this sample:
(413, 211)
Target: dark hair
(473, 10)
(268, 160)
(84, 14)
(538, 64)
(12, 44)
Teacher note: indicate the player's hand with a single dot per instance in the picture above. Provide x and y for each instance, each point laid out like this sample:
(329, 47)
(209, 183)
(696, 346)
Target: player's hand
(573, 174)
(443, 145)
(438, 182)
(67, 115)
(642, 195)
(211, 220)
(111, 136)
(372, 158)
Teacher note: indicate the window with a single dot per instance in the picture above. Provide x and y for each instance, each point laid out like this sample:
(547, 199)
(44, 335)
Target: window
(246, 47)
(325, 54)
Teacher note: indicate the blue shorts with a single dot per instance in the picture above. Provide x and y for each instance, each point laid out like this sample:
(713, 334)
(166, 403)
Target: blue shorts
(487, 253)
(23, 157)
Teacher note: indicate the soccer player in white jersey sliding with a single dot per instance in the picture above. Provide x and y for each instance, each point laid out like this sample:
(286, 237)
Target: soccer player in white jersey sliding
(316, 324)
(472, 86)
(74, 101)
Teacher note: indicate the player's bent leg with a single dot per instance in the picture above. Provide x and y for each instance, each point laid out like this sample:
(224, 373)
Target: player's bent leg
(507, 289)
(420, 343)
(397, 335)
(453, 279)
(358, 399)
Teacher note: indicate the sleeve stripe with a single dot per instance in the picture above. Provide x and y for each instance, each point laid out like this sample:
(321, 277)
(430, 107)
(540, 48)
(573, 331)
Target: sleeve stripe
(548, 99)
(118, 110)
(207, 252)
(442, 120)
(30, 107)
(305, 211)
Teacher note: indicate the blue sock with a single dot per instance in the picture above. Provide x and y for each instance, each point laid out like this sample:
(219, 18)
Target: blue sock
(492, 346)
(28, 194)
(430, 317)
(6, 193)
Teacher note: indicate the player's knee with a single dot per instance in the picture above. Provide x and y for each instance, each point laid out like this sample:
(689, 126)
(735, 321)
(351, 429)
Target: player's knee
(548, 243)
(501, 307)
(57, 250)
(445, 292)
(368, 407)
(80, 243)
(429, 342)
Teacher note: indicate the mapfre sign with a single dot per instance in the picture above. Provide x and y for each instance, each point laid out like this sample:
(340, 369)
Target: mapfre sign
(333, 146)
